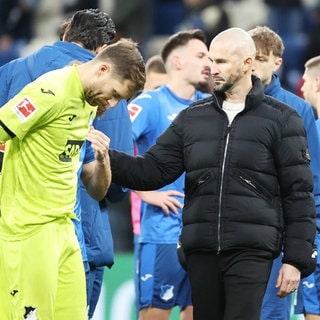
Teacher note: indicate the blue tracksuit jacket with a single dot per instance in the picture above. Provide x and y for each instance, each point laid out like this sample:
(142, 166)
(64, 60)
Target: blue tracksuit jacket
(15, 75)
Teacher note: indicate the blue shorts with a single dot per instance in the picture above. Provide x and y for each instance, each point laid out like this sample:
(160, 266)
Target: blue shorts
(308, 296)
(160, 280)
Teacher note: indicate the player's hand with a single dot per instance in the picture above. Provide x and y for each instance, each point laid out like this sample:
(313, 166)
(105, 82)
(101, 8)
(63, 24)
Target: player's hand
(100, 144)
(288, 280)
(164, 199)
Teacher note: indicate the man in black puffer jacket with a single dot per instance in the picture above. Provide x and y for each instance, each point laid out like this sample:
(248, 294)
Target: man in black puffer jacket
(248, 188)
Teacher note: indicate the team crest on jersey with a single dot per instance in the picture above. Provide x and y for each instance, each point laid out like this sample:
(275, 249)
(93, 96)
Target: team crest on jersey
(167, 292)
(134, 111)
(25, 109)
(30, 313)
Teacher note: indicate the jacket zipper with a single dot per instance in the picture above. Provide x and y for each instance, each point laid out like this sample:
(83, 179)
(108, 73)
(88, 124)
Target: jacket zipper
(259, 190)
(247, 181)
(223, 169)
(221, 188)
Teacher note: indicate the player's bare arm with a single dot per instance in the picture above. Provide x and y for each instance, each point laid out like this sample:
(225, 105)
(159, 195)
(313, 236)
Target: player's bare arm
(166, 200)
(96, 175)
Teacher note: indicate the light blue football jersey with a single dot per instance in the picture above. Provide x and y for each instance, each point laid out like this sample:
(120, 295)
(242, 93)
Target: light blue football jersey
(151, 113)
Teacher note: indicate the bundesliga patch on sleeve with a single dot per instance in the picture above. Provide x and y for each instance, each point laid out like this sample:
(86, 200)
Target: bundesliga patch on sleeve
(134, 111)
(25, 109)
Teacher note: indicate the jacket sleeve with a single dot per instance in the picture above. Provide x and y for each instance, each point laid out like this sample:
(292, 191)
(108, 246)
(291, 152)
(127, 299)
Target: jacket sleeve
(314, 147)
(296, 183)
(3, 85)
(160, 165)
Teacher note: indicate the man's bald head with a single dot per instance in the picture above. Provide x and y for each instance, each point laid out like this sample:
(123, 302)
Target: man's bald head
(236, 41)
(232, 53)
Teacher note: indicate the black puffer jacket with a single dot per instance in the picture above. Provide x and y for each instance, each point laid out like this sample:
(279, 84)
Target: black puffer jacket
(247, 185)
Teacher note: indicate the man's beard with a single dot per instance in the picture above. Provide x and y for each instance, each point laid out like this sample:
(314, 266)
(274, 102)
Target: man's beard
(89, 96)
(224, 87)
(229, 84)
(101, 110)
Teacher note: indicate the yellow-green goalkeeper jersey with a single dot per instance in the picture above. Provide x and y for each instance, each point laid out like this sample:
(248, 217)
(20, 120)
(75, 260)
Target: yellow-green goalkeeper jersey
(49, 120)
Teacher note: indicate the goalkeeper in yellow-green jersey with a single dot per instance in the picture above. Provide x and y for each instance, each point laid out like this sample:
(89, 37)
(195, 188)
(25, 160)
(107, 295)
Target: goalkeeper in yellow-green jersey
(45, 125)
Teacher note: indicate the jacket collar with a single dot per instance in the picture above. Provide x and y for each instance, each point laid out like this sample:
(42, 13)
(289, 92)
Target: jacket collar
(254, 97)
(273, 87)
(75, 50)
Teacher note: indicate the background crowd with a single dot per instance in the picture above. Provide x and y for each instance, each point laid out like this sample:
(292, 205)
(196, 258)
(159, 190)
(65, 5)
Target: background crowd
(27, 24)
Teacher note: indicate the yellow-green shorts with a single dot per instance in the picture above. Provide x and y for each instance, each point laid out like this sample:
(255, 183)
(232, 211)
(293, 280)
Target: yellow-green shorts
(42, 277)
